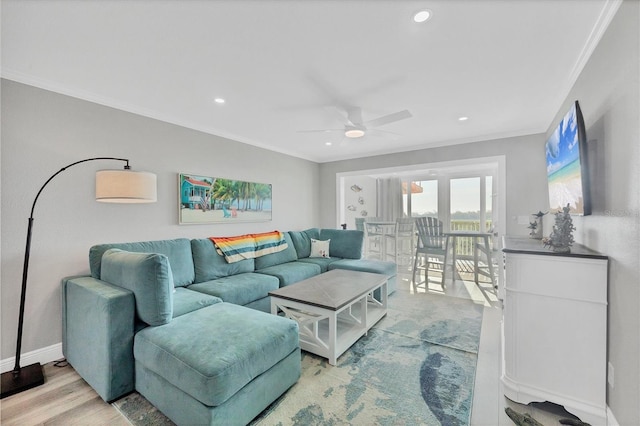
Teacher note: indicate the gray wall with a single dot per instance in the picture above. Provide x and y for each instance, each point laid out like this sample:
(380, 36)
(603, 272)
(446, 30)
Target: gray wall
(608, 91)
(44, 131)
(525, 173)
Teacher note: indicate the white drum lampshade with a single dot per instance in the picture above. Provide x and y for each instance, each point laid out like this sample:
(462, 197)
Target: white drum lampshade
(125, 186)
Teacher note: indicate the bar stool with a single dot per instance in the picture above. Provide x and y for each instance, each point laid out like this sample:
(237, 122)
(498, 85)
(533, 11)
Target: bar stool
(405, 231)
(374, 239)
(431, 248)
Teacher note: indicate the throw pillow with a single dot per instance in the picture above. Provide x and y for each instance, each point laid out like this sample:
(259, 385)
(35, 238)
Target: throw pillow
(319, 248)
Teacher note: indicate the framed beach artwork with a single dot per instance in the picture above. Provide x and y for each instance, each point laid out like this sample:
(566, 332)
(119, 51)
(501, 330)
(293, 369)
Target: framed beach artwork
(205, 199)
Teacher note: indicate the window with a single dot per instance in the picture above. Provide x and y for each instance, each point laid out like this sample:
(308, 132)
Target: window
(465, 204)
(423, 200)
(462, 200)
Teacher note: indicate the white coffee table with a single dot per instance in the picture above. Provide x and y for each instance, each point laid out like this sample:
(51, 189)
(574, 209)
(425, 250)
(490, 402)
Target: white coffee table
(333, 310)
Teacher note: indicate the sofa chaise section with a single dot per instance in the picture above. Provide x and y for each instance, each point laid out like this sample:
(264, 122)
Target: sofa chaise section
(131, 328)
(211, 355)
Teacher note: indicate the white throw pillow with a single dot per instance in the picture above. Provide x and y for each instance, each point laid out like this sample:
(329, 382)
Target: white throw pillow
(319, 248)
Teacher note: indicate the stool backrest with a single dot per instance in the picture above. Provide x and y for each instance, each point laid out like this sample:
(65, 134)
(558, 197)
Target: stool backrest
(430, 232)
(406, 226)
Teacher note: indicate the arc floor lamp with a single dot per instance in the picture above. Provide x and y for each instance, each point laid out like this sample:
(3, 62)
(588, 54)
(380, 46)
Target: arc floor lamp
(112, 186)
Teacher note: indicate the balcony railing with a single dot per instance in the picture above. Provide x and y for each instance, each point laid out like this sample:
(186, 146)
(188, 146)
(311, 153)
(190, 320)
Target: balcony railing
(464, 246)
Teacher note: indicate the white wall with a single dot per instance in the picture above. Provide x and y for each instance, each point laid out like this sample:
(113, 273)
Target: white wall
(608, 90)
(359, 193)
(44, 131)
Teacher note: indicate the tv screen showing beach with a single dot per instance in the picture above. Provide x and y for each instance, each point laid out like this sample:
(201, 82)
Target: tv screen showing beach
(564, 171)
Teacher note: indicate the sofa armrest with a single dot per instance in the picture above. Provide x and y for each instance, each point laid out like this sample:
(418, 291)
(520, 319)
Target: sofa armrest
(98, 325)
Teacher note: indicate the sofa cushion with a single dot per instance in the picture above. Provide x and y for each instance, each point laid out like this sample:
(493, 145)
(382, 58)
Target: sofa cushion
(185, 301)
(302, 241)
(178, 251)
(344, 243)
(322, 262)
(291, 272)
(215, 351)
(375, 266)
(210, 265)
(288, 255)
(364, 265)
(148, 276)
(239, 289)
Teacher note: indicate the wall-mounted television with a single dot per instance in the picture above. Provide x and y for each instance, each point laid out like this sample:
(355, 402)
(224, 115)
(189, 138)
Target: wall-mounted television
(567, 171)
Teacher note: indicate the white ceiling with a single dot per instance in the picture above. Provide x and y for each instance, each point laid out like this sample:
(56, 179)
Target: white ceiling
(286, 66)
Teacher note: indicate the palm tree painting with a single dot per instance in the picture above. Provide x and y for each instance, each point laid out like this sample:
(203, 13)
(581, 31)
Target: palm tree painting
(204, 199)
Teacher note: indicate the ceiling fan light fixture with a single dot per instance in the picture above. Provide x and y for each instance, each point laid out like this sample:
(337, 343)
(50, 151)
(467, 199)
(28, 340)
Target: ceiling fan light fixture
(422, 16)
(354, 133)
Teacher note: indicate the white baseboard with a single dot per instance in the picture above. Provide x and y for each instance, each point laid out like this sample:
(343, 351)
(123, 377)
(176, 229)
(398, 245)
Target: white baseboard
(611, 420)
(43, 356)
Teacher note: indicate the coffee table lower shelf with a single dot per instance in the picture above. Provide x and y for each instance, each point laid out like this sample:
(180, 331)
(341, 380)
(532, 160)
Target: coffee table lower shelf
(329, 333)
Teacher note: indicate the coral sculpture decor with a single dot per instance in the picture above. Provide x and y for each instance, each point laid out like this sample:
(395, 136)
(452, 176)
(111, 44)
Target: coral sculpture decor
(561, 238)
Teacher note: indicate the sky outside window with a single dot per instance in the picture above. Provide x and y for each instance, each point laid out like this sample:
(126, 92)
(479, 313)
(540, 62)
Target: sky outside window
(465, 196)
(426, 202)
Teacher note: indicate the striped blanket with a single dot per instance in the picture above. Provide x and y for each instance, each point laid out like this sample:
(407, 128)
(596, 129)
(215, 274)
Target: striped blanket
(249, 246)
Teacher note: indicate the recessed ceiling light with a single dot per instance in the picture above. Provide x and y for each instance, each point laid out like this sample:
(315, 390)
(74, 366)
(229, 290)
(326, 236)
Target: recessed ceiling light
(463, 118)
(219, 100)
(422, 16)
(328, 143)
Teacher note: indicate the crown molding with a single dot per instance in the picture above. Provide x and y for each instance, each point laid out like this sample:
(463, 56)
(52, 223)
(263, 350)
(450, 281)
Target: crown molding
(22, 78)
(606, 16)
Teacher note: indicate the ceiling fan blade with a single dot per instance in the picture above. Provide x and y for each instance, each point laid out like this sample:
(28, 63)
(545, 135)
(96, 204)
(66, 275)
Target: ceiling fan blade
(320, 131)
(386, 132)
(386, 119)
(339, 114)
(355, 116)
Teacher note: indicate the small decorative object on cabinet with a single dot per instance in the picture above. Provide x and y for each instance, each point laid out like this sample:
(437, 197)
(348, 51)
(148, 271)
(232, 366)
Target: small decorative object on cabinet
(561, 238)
(554, 328)
(536, 226)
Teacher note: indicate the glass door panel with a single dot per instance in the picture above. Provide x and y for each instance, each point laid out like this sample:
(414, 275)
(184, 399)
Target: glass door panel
(465, 204)
(424, 198)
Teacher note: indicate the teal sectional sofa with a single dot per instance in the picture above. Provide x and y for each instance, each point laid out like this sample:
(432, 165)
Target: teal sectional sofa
(170, 319)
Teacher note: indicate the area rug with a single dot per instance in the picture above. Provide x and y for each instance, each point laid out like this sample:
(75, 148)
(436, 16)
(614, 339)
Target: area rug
(416, 366)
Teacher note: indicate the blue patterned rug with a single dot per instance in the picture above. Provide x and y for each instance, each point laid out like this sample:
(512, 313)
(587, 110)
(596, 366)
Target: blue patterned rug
(416, 366)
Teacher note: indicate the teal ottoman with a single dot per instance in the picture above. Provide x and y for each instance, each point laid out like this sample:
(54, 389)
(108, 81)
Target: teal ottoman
(223, 364)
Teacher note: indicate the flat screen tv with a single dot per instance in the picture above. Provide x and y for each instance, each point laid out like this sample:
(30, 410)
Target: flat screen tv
(567, 172)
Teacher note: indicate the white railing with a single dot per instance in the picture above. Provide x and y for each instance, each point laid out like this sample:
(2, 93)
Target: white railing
(464, 246)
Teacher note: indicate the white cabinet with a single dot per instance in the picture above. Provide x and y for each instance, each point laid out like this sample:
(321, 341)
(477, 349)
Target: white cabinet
(554, 330)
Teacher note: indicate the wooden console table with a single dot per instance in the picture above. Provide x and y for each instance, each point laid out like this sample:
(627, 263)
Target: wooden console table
(554, 336)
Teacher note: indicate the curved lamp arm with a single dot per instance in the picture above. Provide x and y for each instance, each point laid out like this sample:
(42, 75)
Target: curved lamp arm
(33, 206)
(17, 383)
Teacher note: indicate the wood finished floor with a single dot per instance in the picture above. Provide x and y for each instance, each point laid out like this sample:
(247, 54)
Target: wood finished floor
(64, 399)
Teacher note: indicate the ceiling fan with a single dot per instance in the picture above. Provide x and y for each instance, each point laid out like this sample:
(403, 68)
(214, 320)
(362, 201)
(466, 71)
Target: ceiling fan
(355, 127)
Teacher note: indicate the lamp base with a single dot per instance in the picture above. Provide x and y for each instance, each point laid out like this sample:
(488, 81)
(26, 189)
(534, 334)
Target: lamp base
(17, 381)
